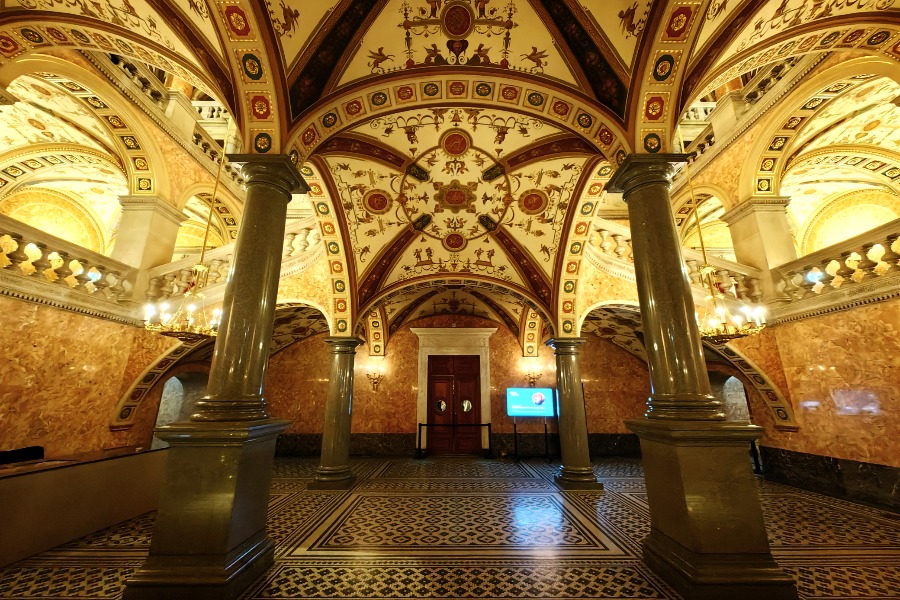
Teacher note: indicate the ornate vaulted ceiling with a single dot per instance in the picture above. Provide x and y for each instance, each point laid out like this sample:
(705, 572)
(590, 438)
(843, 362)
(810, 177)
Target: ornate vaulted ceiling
(456, 150)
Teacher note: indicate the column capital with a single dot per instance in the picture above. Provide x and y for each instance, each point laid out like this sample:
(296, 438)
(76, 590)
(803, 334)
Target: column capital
(155, 204)
(275, 170)
(567, 345)
(642, 169)
(343, 345)
(756, 204)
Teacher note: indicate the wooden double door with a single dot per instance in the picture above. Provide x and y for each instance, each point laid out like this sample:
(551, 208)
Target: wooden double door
(454, 404)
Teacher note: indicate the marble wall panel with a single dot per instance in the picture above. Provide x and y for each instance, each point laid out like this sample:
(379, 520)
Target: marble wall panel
(616, 386)
(616, 383)
(62, 375)
(841, 373)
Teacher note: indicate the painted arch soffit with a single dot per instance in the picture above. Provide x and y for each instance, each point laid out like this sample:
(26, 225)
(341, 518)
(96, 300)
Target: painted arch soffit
(430, 33)
(137, 16)
(778, 19)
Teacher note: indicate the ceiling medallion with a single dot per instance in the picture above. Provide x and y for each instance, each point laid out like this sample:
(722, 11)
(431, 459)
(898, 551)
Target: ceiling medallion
(377, 202)
(455, 197)
(457, 19)
(455, 142)
(533, 202)
(454, 242)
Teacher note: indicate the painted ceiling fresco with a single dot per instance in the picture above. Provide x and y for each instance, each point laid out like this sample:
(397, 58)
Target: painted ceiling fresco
(456, 151)
(452, 203)
(631, 17)
(429, 33)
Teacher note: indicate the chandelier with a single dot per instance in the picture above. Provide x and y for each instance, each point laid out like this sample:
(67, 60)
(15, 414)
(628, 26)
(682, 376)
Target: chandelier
(724, 316)
(189, 322)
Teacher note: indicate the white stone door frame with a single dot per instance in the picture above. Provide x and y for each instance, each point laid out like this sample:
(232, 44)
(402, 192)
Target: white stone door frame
(454, 340)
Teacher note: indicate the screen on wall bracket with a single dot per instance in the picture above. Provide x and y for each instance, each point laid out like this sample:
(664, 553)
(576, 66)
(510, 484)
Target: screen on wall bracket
(529, 402)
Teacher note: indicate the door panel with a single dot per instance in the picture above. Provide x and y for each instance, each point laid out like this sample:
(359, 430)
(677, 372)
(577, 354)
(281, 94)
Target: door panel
(454, 398)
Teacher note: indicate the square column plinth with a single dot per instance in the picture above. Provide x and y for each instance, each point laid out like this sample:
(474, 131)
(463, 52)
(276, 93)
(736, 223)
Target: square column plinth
(210, 539)
(708, 539)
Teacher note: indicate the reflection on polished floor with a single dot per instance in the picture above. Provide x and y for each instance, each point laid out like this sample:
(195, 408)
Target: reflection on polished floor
(451, 528)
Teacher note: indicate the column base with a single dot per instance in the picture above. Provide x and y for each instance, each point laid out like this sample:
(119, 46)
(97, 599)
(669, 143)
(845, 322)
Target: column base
(708, 537)
(577, 478)
(332, 478)
(209, 540)
(717, 576)
(202, 577)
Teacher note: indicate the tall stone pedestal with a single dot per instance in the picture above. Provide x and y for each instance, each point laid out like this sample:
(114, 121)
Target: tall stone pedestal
(708, 539)
(210, 539)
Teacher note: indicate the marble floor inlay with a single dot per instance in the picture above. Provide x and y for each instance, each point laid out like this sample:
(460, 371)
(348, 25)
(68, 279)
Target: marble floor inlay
(474, 528)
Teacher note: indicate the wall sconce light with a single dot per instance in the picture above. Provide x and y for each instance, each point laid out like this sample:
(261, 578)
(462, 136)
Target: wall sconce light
(531, 377)
(375, 376)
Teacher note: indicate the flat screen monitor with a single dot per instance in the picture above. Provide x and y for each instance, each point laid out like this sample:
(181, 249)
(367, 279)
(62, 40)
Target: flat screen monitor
(529, 402)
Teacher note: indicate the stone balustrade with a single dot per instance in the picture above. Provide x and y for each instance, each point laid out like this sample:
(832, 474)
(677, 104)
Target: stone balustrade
(31, 253)
(302, 243)
(613, 241)
(854, 263)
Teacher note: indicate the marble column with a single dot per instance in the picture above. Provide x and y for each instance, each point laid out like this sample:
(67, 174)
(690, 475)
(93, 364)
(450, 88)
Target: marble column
(576, 472)
(762, 238)
(334, 466)
(146, 236)
(707, 538)
(209, 541)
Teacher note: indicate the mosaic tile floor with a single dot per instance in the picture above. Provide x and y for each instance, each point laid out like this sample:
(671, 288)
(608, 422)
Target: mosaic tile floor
(469, 528)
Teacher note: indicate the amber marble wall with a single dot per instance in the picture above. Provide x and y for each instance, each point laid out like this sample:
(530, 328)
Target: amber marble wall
(61, 375)
(841, 373)
(616, 383)
(616, 386)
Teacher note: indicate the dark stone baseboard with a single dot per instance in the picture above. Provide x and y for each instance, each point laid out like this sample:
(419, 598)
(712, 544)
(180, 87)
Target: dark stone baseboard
(361, 444)
(599, 444)
(878, 485)
(531, 445)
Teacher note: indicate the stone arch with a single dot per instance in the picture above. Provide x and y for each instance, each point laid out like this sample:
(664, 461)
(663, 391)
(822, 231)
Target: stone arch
(77, 33)
(869, 34)
(296, 320)
(426, 284)
(402, 91)
(112, 98)
(617, 309)
(178, 394)
(47, 209)
(748, 182)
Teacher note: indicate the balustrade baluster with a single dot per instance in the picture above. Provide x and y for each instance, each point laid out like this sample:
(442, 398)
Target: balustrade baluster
(169, 288)
(302, 242)
(43, 263)
(790, 286)
(118, 288)
(184, 281)
(726, 284)
(807, 284)
(154, 289)
(17, 256)
(83, 277)
(845, 271)
(890, 257)
(100, 283)
(826, 277)
(754, 290)
(63, 271)
(866, 264)
(313, 237)
(214, 275)
(288, 244)
(605, 244)
(630, 251)
(620, 246)
(740, 287)
(693, 271)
